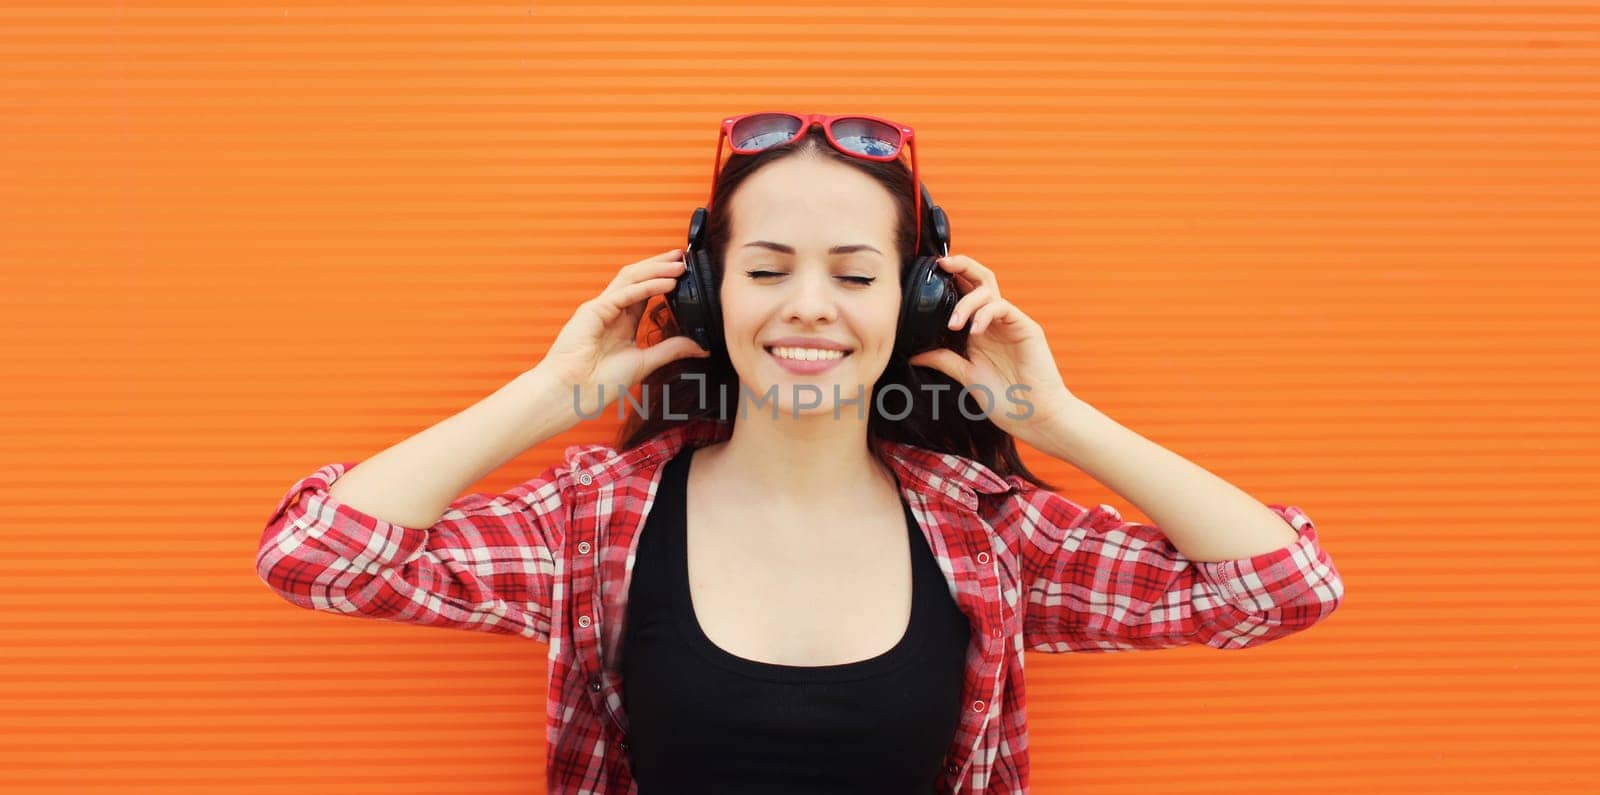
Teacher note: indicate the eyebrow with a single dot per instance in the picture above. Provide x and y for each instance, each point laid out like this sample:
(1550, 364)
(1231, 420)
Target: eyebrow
(779, 247)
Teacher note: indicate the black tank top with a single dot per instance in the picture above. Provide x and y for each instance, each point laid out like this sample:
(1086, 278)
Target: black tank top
(703, 720)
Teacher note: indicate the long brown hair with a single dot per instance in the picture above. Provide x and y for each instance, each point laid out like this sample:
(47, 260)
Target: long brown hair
(686, 381)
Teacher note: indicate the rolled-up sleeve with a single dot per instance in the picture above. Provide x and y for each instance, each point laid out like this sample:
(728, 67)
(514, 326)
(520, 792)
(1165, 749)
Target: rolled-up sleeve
(487, 565)
(1097, 583)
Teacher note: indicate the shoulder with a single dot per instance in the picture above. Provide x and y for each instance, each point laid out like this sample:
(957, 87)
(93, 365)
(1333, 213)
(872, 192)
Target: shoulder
(950, 476)
(604, 464)
(1008, 504)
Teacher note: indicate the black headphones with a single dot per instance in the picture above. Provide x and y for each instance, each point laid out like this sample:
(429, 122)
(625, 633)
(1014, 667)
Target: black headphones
(928, 296)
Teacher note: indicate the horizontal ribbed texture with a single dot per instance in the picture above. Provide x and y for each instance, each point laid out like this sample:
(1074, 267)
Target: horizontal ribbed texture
(1338, 253)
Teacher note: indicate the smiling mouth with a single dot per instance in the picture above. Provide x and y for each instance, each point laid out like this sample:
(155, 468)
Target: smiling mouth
(805, 354)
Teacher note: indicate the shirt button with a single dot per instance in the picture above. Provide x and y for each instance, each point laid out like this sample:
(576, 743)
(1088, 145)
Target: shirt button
(977, 706)
(983, 557)
(583, 621)
(585, 478)
(623, 745)
(594, 684)
(952, 768)
(583, 547)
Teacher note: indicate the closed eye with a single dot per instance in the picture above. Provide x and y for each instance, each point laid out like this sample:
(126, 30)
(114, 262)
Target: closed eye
(860, 280)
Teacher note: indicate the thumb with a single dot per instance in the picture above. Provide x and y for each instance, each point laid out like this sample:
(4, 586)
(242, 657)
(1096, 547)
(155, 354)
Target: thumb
(670, 350)
(945, 361)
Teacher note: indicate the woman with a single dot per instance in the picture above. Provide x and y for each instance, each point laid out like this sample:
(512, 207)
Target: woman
(806, 596)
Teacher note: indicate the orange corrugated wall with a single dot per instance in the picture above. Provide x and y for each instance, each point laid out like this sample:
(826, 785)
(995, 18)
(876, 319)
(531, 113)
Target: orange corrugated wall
(1337, 253)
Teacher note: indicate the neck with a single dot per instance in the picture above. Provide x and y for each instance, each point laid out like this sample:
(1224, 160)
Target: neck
(801, 461)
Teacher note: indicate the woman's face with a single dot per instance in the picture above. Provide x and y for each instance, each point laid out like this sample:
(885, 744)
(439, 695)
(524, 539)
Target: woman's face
(811, 261)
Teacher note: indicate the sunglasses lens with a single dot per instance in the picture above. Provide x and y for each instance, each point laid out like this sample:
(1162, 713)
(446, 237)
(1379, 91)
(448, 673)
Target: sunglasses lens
(754, 133)
(867, 137)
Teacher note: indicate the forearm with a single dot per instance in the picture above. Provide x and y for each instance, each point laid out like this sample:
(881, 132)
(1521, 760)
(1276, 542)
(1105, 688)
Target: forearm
(413, 482)
(1205, 517)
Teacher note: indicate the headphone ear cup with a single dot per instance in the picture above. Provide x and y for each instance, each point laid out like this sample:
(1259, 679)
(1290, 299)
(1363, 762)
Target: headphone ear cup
(700, 261)
(929, 297)
(693, 302)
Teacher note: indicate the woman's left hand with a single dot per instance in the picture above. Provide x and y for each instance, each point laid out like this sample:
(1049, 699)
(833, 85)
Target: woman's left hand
(1004, 348)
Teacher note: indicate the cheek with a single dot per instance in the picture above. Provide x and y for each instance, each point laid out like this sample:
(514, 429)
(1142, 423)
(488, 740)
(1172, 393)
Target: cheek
(887, 316)
(875, 319)
(736, 309)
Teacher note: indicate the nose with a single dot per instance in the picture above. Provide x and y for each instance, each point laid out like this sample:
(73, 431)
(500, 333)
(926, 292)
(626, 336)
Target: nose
(811, 300)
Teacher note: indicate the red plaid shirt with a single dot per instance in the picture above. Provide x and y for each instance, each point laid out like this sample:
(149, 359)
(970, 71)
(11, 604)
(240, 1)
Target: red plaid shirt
(551, 559)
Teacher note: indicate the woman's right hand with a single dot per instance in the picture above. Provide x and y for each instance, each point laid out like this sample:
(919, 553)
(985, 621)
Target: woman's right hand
(596, 348)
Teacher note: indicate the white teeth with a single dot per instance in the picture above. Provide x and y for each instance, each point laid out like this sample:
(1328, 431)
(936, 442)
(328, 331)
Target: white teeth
(807, 354)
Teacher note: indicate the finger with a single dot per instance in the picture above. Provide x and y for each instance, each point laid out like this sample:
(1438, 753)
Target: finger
(637, 310)
(635, 313)
(990, 312)
(981, 318)
(675, 255)
(673, 268)
(945, 361)
(968, 304)
(647, 269)
(963, 281)
(613, 302)
(669, 254)
(967, 270)
(670, 350)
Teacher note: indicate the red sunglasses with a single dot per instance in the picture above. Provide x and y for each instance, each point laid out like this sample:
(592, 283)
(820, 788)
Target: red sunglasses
(866, 137)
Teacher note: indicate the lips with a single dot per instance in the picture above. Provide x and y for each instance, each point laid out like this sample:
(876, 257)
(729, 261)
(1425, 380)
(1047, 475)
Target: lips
(806, 367)
(773, 349)
(818, 343)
